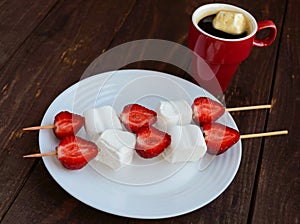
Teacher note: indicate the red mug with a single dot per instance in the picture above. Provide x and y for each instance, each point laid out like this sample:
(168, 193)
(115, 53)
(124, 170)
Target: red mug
(223, 56)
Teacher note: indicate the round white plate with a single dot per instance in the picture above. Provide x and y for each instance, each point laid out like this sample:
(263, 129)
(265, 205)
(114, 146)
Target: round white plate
(149, 188)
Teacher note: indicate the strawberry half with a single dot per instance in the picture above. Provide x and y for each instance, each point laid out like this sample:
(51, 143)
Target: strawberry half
(219, 137)
(67, 123)
(206, 110)
(74, 152)
(150, 142)
(135, 116)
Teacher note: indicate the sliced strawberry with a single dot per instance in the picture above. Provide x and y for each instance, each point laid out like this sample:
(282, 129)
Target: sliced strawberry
(219, 137)
(135, 116)
(74, 152)
(67, 123)
(206, 110)
(150, 142)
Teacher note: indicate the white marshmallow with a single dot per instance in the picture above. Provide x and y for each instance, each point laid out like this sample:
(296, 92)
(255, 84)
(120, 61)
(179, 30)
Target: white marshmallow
(99, 119)
(170, 113)
(187, 144)
(230, 22)
(116, 148)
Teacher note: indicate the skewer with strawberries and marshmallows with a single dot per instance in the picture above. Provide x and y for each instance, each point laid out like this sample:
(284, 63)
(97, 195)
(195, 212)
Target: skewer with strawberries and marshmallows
(205, 110)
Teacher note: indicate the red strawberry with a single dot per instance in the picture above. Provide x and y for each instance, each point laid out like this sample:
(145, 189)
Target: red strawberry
(206, 110)
(135, 116)
(75, 152)
(150, 142)
(219, 137)
(67, 123)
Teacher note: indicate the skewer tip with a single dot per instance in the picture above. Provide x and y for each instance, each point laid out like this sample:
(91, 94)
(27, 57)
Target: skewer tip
(266, 134)
(37, 155)
(34, 128)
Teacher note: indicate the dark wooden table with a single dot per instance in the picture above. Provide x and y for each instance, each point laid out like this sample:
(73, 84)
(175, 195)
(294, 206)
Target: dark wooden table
(46, 45)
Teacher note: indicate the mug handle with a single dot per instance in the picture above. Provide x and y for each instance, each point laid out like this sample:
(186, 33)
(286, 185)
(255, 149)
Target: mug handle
(268, 40)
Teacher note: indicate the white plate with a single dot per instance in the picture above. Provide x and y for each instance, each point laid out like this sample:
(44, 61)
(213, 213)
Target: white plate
(150, 188)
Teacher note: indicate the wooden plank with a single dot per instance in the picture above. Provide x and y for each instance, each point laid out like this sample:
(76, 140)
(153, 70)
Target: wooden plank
(277, 198)
(52, 58)
(162, 20)
(17, 20)
(42, 200)
(251, 85)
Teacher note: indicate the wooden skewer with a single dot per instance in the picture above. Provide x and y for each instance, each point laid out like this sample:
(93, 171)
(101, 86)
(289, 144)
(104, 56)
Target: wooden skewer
(40, 155)
(257, 135)
(39, 127)
(256, 107)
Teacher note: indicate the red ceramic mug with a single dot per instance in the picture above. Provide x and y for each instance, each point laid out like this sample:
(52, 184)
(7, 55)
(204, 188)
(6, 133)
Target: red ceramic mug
(223, 55)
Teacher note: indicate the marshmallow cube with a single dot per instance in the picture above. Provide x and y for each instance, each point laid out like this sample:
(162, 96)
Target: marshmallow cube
(187, 144)
(230, 22)
(100, 119)
(170, 113)
(116, 148)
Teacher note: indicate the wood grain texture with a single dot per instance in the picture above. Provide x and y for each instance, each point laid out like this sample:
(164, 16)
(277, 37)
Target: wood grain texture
(43, 201)
(278, 198)
(252, 84)
(17, 20)
(52, 58)
(160, 20)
